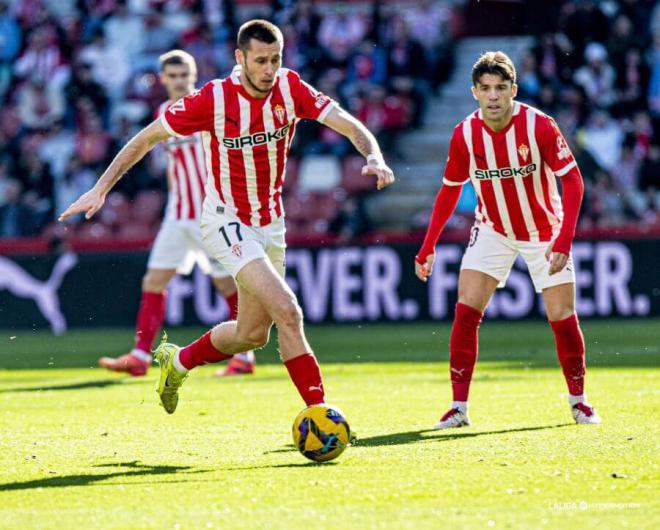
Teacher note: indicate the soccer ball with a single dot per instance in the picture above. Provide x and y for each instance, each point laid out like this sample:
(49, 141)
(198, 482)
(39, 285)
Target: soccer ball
(321, 433)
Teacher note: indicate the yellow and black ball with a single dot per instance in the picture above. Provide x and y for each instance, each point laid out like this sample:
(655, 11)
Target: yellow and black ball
(321, 432)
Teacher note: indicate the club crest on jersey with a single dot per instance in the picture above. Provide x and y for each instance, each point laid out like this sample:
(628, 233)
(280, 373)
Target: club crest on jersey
(523, 151)
(258, 138)
(279, 112)
(237, 251)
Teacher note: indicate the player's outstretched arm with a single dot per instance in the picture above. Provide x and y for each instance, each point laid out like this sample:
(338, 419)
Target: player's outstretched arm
(443, 208)
(91, 202)
(365, 142)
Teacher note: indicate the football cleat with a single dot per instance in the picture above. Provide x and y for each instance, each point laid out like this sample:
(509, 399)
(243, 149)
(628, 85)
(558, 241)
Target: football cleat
(453, 418)
(170, 379)
(237, 366)
(583, 413)
(127, 363)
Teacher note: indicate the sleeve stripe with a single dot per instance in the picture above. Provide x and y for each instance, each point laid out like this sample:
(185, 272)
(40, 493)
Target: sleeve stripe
(445, 180)
(326, 110)
(566, 169)
(167, 126)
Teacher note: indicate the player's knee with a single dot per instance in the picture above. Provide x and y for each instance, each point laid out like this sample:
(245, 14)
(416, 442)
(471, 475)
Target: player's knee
(560, 312)
(289, 313)
(257, 338)
(152, 282)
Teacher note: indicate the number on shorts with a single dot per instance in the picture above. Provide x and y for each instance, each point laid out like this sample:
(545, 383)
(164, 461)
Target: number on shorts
(237, 227)
(474, 233)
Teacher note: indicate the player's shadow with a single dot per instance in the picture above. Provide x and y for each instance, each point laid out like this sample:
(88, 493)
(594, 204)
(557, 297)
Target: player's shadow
(135, 470)
(281, 466)
(401, 438)
(98, 383)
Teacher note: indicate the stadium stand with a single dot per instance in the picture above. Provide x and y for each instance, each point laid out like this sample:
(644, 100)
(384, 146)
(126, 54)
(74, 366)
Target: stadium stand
(78, 78)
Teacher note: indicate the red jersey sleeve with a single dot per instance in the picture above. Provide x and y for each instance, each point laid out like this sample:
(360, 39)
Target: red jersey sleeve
(457, 167)
(190, 114)
(309, 103)
(553, 147)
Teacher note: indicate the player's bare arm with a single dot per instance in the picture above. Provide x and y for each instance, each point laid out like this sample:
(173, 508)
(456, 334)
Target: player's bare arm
(92, 201)
(365, 142)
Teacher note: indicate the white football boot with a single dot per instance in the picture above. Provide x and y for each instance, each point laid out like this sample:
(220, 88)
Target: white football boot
(583, 413)
(453, 418)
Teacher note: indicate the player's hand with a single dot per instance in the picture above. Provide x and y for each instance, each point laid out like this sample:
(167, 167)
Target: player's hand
(89, 203)
(383, 174)
(424, 271)
(557, 260)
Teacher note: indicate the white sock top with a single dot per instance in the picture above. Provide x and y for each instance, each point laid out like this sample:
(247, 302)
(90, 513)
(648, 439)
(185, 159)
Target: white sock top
(141, 354)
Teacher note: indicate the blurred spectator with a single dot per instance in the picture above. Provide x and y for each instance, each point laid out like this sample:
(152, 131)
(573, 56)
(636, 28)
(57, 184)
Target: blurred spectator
(126, 30)
(10, 41)
(42, 59)
(602, 137)
(529, 85)
(631, 83)
(654, 86)
(110, 67)
(40, 104)
(15, 217)
(351, 220)
(82, 86)
(57, 148)
(339, 32)
(650, 170)
(597, 76)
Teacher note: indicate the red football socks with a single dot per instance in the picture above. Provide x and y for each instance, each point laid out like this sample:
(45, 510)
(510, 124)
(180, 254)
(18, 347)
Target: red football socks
(150, 318)
(463, 349)
(306, 375)
(570, 351)
(201, 352)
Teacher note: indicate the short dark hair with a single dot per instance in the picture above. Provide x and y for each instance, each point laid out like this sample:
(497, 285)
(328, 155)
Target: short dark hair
(260, 30)
(178, 57)
(495, 63)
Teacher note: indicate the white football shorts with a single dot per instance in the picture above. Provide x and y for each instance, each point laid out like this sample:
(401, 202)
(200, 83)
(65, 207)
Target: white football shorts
(179, 246)
(494, 254)
(235, 244)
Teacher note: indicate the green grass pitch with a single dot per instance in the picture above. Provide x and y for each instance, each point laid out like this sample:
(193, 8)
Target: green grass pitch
(82, 448)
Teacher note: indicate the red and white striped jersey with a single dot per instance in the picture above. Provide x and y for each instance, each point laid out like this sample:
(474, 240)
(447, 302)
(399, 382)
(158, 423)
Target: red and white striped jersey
(513, 172)
(246, 140)
(186, 174)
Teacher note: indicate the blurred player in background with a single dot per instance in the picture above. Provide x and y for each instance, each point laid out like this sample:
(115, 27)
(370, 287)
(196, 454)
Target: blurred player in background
(512, 154)
(247, 121)
(178, 245)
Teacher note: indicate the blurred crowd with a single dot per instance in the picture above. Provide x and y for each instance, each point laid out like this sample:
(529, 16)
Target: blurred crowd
(598, 74)
(79, 77)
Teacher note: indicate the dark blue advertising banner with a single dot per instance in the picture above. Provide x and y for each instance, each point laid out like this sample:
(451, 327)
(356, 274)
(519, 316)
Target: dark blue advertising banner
(333, 284)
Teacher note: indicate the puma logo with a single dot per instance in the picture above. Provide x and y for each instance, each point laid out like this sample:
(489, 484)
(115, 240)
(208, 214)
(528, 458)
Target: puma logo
(231, 120)
(456, 371)
(319, 388)
(21, 284)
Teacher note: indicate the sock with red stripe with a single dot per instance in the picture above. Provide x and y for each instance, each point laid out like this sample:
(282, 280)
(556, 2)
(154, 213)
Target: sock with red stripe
(199, 352)
(463, 350)
(149, 320)
(570, 351)
(306, 375)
